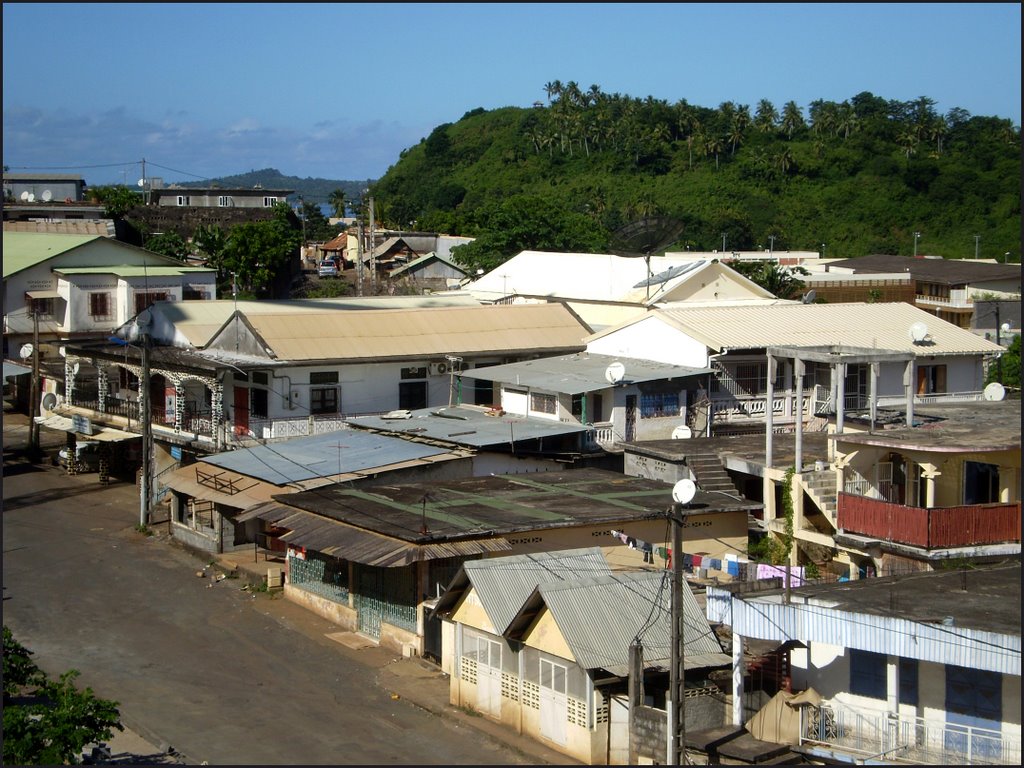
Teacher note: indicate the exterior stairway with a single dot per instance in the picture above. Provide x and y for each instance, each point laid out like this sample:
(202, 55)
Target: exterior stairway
(710, 475)
(821, 488)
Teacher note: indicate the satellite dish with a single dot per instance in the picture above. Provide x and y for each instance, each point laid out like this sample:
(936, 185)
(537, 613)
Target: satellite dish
(31, 197)
(141, 182)
(615, 372)
(994, 392)
(49, 402)
(144, 318)
(47, 195)
(26, 351)
(684, 491)
(682, 432)
(24, 195)
(918, 332)
(75, 368)
(644, 238)
(809, 297)
(63, 351)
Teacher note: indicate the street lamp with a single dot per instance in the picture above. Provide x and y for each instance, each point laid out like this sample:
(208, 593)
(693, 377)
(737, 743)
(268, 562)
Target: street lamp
(723, 242)
(977, 239)
(771, 244)
(917, 236)
(823, 250)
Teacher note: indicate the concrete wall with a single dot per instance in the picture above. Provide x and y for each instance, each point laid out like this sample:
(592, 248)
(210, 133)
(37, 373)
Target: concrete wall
(651, 339)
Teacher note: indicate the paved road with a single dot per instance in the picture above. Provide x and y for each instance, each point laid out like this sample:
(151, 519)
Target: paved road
(207, 670)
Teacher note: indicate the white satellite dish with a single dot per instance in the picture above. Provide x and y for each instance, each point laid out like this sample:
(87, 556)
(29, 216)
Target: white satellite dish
(144, 318)
(994, 392)
(31, 197)
(75, 368)
(615, 372)
(24, 195)
(26, 351)
(684, 491)
(47, 195)
(682, 432)
(141, 182)
(62, 351)
(918, 332)
(49, 402)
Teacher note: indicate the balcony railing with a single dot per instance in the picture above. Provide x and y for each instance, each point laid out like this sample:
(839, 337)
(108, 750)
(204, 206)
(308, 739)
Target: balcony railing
(960, 526)
(912, 740)
(956, 298)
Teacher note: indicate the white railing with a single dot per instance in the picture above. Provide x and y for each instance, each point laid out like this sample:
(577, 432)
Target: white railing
(948, 397)
(956, 298)
(602, 435)
(855, 483)
(905, 739)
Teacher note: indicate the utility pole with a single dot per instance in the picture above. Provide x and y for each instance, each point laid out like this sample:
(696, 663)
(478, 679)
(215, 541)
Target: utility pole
(771, 246)
(373, 256)
(977, 238)
(677, 672)
(146, 420)
(33, 397)
(359, 258)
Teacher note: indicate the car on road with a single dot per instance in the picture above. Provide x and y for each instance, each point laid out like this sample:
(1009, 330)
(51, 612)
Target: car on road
(328, 268)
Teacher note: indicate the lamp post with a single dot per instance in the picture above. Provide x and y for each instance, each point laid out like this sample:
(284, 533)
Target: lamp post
(917, 236)
(723, 242)
(771, 245)
(977, 239)
(823, 250)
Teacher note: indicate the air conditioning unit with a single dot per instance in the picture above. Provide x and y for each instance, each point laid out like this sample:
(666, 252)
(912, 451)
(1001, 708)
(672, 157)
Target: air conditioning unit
(440, 369)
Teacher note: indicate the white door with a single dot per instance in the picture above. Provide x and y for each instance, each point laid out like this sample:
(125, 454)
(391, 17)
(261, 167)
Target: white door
(618, 724)
(489, 678)
(553, 704)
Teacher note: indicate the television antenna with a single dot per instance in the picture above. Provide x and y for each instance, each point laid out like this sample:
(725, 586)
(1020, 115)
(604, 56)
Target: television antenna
(646, 237)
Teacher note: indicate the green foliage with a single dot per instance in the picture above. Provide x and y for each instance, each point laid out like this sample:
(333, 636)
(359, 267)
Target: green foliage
(521, 223)
(117, 199)
(169, 244)
(782, 282)
(49, 722)
(256, 251)
(338, 201)
(317, 229)
(860, 175)
(1007, 369)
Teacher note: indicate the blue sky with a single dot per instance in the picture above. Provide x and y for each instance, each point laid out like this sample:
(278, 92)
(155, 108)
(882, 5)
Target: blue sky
(339, 90)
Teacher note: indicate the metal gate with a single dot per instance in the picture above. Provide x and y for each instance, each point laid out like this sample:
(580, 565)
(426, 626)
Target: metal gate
(369, 602)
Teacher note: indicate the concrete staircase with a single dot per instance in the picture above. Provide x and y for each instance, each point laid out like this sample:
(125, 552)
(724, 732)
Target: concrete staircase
(710, 475)
(821, 488)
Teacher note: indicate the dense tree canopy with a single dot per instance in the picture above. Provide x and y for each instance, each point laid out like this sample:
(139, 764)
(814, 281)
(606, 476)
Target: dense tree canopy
(255, 252)
(850, 178)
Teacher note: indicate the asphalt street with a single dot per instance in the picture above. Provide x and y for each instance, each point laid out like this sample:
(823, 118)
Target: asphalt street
(202, 666)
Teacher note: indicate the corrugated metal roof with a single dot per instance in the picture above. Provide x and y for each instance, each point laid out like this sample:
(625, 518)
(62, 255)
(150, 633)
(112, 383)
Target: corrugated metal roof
(868, 326)
(421, 332)
(231, 489)
(103, 227)
(198, 321)
(945, 271)
(344, 451)
(625, 606)
(580, 372)
(504, 583)
(331, 537)
(134, 271)
(26, 249)
(468, 425)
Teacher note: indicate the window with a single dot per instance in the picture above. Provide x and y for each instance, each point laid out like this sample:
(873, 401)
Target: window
(543, 403)
(269, 202)
(99, 305)
(908, 681)
(591, 403)
(192, 294)
(323, 399)
(144, 299)
(184, 200)
(981, 483)
(748, 378)
(258, 402)
(41, 307)
(224, 201)
(412, 395)
(657, 404)
(867, 674)
(931, 379)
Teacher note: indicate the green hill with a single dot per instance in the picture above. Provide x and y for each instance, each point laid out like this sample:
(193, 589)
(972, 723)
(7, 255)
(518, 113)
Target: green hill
(861, 176)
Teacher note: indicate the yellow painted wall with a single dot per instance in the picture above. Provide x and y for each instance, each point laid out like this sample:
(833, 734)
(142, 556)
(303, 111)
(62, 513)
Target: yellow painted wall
(545, 635)
(470, 612)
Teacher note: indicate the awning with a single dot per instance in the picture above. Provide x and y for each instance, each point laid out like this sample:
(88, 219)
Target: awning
(43, 294)
(337, 539)
(13, 369)
(100, 434)
(229, 489)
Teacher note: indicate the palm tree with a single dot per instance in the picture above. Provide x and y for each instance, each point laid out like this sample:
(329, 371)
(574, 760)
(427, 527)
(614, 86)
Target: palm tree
(937, 132)
(337, 201)
(714, 147)
(766, 116)
(792, 119)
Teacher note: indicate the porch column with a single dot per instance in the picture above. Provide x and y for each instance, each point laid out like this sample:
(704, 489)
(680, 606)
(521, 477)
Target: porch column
(840, 370)
(737, 679)
(103, 388)
(798, 373)
(769, 411)
(179, 405)
(873, 394)
(892, 684)
(69, 383)
(929, 472)
(908, 386)
(217, 412)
